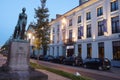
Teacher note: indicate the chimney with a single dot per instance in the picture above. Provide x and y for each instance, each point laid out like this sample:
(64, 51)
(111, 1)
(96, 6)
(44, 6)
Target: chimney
(52, 19)
(82, 1)
(58, 15)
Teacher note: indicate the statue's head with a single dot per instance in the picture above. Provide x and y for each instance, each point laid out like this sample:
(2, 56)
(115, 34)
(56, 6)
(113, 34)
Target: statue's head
(23, 9)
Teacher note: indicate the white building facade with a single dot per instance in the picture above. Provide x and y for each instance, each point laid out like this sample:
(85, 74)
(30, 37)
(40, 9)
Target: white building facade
(89, 30)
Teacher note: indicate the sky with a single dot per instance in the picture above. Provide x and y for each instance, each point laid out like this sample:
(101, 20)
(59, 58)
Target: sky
(10, 9)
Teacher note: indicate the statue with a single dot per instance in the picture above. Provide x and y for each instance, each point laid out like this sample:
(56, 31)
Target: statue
(19, 32)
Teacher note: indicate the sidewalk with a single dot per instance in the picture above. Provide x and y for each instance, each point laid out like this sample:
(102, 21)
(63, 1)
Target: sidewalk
(51, 76)
(113, 74)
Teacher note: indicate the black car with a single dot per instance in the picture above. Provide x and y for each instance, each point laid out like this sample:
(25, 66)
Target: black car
(73, 61)
(97, 63)
(41, 57)
(48, 58)
(58, 59)
(33, 56)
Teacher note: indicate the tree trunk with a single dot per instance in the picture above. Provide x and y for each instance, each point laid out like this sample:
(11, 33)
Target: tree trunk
(44, 50)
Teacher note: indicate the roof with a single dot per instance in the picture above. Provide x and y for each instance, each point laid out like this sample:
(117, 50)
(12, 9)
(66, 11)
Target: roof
(77, 8)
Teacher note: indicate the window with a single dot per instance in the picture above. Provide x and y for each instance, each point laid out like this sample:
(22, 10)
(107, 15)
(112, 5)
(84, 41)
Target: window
(53, 38)
(89, 50)
(79, 50)
(89, 30)
(114, 5)
(100, 28)
(70, 22)
(53, 35)
(58, 28)
(79, 19)
(115, 24)
(80, 32)
(116, 50)
(53, 50)
(57, 37)
(63, 34)
(99, 11)
(88, 15)
(70, 34)
(58, 33)
(101, 49)
(53, 30)
(57, 50)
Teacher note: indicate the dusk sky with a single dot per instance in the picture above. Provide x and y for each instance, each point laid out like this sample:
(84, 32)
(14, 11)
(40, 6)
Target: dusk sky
(10, 9)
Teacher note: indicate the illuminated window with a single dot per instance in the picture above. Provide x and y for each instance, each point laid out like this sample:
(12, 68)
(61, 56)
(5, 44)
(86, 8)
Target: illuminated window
(89, 50)
(116, 50)
(101, 49)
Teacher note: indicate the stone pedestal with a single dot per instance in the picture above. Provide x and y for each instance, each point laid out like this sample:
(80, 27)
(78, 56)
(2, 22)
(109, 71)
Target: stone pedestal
(18, 57)
(17, 66)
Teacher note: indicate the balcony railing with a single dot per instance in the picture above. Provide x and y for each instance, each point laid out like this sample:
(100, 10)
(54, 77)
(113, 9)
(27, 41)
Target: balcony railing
(51, 41)
(69, 41)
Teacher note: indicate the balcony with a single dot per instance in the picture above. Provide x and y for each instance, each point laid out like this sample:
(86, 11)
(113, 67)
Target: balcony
(69, 41)
(51, 41)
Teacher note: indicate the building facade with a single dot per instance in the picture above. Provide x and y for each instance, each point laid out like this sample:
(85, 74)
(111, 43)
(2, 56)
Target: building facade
(91, 29)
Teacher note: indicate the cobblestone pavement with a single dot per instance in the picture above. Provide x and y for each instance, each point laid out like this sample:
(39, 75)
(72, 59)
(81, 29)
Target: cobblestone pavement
(51, 76)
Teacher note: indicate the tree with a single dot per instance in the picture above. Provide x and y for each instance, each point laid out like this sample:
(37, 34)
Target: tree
(42, 27)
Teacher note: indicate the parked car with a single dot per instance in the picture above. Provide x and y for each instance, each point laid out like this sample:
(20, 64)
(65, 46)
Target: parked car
(58, 59)
(73, 61)
(79, 61)
(41, 57)
(97, 63)
(48, 58)
(33, 56)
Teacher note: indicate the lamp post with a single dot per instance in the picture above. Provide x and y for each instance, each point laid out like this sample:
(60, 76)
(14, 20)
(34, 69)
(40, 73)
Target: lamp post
(29, 36)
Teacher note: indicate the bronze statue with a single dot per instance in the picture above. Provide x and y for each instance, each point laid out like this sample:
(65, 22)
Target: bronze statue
(19, 32)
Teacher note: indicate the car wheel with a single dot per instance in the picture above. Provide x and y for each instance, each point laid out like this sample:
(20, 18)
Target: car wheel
(64, 63)
(85, 66)
(108, 68)
(100, 68)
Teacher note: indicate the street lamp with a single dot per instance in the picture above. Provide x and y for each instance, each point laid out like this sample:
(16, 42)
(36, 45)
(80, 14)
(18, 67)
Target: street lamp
(29, 36)
(93, 37)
